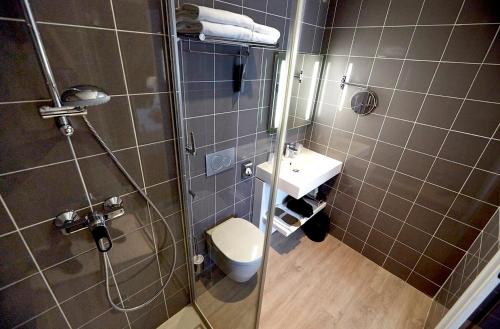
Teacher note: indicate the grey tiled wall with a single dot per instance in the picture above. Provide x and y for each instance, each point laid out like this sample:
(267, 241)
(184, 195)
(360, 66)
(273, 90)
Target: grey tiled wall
(49, 280)
(221, 118)
(421, 173)
(472, 263)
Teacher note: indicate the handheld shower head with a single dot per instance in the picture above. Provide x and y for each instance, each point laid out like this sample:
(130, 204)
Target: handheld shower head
(83, 96)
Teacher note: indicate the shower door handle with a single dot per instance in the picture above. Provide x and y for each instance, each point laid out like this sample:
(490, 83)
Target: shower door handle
(191, 149)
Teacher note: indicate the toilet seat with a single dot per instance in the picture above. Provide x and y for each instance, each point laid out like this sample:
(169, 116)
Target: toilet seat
(239, 240)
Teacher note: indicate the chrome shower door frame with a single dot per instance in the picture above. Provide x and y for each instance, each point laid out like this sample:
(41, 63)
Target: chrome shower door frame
(183, 147)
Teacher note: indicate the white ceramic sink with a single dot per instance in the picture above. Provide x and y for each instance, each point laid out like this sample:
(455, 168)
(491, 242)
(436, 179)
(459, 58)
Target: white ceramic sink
(302, 174)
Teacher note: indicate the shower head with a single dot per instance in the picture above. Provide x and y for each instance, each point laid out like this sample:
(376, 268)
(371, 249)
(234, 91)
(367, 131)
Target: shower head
(83, 96)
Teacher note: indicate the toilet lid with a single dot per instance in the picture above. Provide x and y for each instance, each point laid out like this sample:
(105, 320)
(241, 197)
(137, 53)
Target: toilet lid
(239, 240)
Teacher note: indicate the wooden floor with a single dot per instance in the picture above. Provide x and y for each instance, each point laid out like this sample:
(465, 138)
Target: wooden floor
(329, 285)
(313, 285)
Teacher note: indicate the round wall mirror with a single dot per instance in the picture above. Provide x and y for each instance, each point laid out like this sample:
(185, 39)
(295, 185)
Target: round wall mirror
(364, 102)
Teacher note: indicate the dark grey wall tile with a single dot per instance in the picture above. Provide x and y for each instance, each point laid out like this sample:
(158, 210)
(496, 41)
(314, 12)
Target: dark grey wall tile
(340, 41)
(385, 72)
(93, 57)
(380, 241)
(416, 75)
(397, 268)
(16, 261)
(143, 58)
(79, 312)
(21, 75)
(91, 13)
(414, 238)
(157, 163)
(424, 219)
(405, 105)
(346, 12)
(395, 131)
(387, 155)
(435, 198)
(405, 186)
(439, 12)
(483, 88)
(448, 174)
(453, 79)
(34, 195)
(104, 179)
(378, 176)
(153, 115)
(456, 233)
(478, 118)
(439, 111)
(373, 12)
(462, 148)
(387, 224)
(404, 255)
(423, 284)
(395, 42)
(395, 206)
(428, 42)
(444, 252)
(481, 11)
(489, 159)
(415, 164)
(27, 140)
(203, 129)
(426, 139)
(145, 16)
(226, 126)
(404, 12)
(463, 48)
(471, 211)
(484, 186)
(366, 41)
(115, 112)
(18, 304)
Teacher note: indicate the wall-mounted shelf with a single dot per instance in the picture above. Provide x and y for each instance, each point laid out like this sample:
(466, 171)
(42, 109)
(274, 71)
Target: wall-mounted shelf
(225, 41)
(287, 221)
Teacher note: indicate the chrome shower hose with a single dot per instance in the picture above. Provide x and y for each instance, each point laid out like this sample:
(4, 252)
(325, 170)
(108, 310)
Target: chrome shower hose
(107, 262)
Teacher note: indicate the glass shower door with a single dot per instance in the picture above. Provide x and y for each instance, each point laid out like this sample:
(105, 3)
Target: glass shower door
(225, 101)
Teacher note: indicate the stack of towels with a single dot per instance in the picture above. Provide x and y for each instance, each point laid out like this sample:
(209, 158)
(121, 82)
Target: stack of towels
(223, 24)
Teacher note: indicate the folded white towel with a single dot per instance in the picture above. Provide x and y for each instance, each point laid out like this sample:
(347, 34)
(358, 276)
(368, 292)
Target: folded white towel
(225, 31)
(215, 30)
(188, 15)
(201, 13)
(264, 29)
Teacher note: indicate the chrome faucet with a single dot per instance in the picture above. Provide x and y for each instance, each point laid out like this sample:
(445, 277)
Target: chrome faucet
(291, 150)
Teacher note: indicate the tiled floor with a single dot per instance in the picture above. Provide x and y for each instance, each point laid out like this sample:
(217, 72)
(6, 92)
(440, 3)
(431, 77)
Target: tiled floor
(329, 285)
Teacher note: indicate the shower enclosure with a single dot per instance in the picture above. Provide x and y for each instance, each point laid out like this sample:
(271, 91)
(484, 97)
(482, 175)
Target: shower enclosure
(163, 156)
(224, 93)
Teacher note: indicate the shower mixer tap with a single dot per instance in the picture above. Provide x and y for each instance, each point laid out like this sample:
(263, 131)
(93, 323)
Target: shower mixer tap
(70, 222)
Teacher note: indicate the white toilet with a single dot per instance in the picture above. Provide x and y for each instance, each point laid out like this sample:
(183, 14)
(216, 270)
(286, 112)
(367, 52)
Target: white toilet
(236, 248)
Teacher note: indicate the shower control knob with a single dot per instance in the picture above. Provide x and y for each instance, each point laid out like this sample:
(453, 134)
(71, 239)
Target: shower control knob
(113, 207)
(66, 219)
(113, 202)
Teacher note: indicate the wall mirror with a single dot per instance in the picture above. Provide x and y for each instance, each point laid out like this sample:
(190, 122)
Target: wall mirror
(304, 92)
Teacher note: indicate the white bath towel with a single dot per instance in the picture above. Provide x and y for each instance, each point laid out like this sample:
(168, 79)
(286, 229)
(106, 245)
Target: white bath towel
(225, 31)
(188, 15)
(214, 30)
(201, 13)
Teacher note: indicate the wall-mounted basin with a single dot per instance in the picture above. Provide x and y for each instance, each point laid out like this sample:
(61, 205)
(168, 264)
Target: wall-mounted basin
(302, 174)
